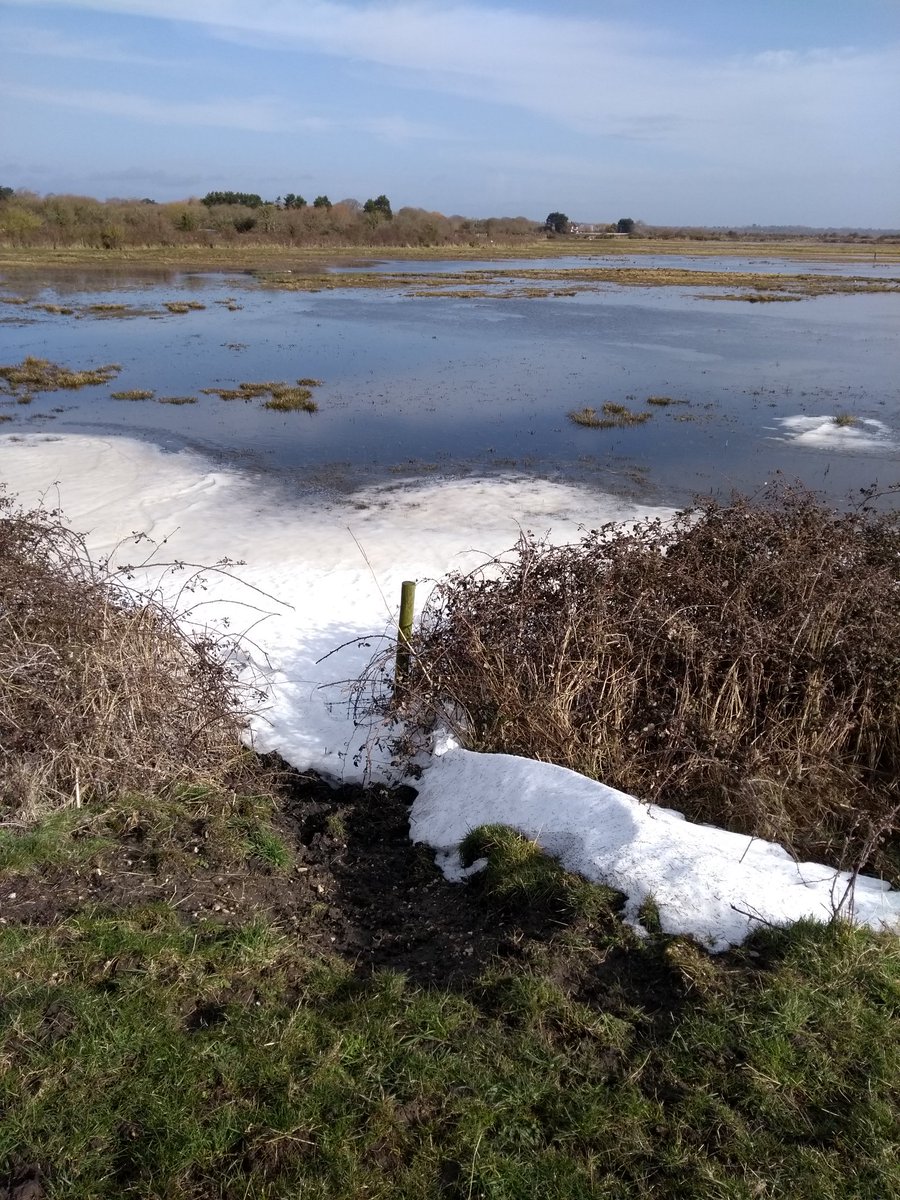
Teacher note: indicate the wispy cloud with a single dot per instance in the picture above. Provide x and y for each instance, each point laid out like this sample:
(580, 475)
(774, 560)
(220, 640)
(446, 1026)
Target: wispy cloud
(255, 115)
(261, 114)
(594, 75)
(50, 43)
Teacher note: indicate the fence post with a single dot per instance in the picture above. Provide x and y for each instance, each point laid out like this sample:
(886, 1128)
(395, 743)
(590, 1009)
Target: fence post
(404, 634)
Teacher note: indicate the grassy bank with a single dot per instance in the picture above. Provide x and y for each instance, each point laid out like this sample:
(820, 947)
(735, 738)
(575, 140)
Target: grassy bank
(223, 979)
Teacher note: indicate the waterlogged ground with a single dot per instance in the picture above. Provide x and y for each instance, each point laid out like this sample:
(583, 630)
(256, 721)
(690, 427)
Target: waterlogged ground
(483, 380)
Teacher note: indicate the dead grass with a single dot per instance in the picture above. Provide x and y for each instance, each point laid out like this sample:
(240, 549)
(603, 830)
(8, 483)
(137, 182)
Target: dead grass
(41, 375)
(133, 394)
(178, 400)
(741, 664)
(102, 695)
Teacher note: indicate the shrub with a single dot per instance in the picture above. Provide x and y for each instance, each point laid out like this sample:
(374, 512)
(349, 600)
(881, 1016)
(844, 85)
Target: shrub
(740, 663)
(101, 693)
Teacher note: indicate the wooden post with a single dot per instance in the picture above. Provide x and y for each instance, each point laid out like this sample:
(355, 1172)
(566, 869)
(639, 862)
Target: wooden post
(404, 634)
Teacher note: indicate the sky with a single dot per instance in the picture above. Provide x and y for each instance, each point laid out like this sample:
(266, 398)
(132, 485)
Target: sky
(695, 112)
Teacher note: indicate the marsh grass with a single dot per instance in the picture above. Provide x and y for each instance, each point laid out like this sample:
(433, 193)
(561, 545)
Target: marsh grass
(291, 399)
(41, 375)
(177, 400)
(740, 664)
(614, 416)
(773, 297)
(588, 417)
(660, 401)
(133, 394)
(183, 306)
(282, 397)
(845, 420)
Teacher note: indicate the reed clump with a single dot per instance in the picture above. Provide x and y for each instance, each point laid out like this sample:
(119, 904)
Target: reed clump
(102, 693)
(740, 663)
(133, 394)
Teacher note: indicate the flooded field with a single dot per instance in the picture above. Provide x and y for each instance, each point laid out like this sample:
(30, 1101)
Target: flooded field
(690, 394)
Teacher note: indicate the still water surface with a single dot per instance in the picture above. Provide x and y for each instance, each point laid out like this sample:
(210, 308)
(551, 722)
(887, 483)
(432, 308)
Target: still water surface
(423, 386)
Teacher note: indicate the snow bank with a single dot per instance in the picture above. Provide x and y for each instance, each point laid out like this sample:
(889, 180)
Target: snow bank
(710, 884)
(318, 574)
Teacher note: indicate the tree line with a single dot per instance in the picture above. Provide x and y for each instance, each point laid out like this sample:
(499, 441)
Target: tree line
(231, 217)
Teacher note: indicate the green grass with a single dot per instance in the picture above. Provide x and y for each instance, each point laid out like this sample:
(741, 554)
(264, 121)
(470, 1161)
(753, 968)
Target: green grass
(63, 837)
(520, 875)
(145, 1058)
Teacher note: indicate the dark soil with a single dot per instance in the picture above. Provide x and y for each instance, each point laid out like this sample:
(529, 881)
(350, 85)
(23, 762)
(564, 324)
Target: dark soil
(357, 888)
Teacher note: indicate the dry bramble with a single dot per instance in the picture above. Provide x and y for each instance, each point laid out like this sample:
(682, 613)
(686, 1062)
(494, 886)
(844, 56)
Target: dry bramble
(102, 694)
(740, 663)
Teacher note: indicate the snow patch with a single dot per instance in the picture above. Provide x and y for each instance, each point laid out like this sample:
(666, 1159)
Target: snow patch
(866, 436)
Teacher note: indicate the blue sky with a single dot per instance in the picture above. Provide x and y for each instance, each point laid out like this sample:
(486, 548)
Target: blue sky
(668, 111)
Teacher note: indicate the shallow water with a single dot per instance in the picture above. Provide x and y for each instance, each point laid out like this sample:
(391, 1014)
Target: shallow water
(418, 386)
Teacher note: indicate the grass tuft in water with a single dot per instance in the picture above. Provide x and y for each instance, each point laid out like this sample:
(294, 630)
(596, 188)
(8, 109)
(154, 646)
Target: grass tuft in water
(291, 399)
(183, 306)
(41, 375)
(177, 400)
(614, 416)
(133, 394)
